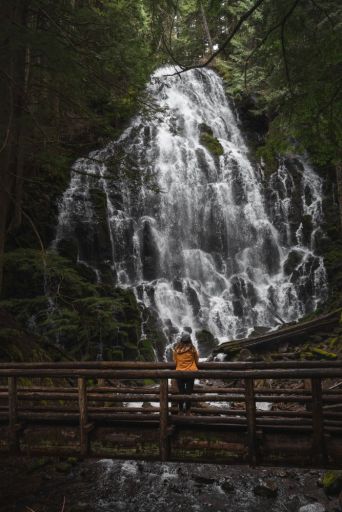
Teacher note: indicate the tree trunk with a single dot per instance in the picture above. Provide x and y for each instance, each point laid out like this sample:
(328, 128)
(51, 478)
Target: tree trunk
(339, 190)
(12, 90)
(206, 29)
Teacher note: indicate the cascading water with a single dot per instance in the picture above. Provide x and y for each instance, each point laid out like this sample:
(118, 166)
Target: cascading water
(205, 240)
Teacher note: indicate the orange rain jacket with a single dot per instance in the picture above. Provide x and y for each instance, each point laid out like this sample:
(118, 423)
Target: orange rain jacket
(185, 357)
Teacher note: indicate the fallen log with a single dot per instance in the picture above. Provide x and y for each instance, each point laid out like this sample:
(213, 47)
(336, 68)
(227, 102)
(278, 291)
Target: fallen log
(294, 334)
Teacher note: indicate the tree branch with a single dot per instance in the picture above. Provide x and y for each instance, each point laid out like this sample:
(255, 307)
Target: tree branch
(264, 39)
(327, 15)
(236, 28)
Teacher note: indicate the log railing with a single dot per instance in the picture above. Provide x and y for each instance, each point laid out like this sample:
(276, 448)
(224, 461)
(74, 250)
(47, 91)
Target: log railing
(69, 393)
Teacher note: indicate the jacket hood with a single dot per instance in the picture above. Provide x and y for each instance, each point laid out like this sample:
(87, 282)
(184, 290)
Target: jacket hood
(180, 348)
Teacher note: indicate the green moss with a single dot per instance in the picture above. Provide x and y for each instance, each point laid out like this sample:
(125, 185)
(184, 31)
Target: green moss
(149, 382)
(332, 342)
(332, 482)
(82, 315)
(324, 353)
(208, 140)
(146, 350)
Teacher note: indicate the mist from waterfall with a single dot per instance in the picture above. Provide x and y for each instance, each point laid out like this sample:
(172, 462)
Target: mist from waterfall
(205, 241)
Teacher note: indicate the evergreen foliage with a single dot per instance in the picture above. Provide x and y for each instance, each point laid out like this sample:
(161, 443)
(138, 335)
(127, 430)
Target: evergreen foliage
(48, 295)
(286, 54)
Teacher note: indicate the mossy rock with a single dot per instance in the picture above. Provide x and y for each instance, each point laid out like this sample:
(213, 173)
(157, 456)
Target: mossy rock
(211, 143)
(323, 354)
(206, 342)
(332, 482)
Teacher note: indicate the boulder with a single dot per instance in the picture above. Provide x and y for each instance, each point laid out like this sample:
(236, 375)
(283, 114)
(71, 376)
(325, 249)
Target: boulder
(203, 480)
(206, 342)
(227, 486)
(312, 507)
(266, 488)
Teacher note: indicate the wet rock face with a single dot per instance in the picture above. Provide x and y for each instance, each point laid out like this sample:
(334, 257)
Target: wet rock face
(191, 223)
(149, 254)
(293, 259)
(254, 125)
(267, 488)
(206, 342)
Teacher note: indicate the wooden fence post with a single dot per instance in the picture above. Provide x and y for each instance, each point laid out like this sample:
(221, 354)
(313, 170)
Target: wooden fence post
(251, 419)
(82, 401)
(13, 440)
(164, 412)
(318, 445)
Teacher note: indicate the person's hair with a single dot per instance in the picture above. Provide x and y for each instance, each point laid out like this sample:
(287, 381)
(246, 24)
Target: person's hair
(185, 339)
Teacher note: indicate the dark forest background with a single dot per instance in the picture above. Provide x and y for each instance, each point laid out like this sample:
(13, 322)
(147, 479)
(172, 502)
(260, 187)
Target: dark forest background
(72, 74)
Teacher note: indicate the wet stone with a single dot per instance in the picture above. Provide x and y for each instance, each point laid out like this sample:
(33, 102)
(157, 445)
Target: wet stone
(312, 507)
(293, 259)
(206, 342)
(227, 486)
(202, 480)
(266, 488)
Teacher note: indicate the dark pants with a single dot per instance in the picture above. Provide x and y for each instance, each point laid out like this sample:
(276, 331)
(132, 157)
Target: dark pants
(185, 387)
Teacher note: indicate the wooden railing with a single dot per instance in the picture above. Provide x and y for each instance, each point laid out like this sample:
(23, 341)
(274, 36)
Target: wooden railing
(93, 393)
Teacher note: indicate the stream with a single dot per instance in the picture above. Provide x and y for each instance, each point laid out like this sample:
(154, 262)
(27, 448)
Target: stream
(113, 486)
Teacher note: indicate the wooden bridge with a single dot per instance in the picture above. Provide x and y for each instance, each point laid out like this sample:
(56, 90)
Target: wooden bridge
(129, 410)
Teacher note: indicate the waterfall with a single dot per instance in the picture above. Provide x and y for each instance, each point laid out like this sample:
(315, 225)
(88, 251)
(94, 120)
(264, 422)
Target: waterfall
(202, 236)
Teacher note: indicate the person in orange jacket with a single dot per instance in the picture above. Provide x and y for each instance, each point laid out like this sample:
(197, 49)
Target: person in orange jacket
(186, 357)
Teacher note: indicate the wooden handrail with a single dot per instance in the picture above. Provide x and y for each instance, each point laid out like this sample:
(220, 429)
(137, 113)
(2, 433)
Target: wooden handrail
(96, 403)
(136, 374)
(139, 365)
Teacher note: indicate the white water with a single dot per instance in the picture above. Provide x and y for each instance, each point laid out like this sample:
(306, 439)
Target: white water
(207, 250)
